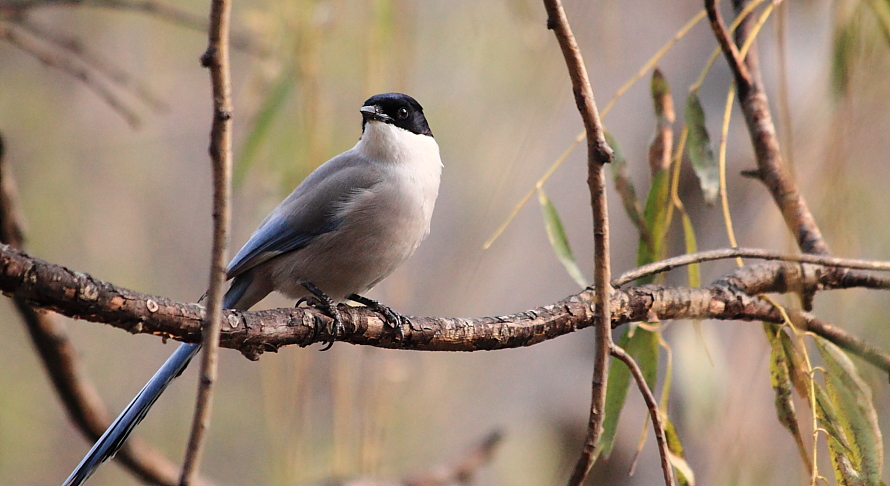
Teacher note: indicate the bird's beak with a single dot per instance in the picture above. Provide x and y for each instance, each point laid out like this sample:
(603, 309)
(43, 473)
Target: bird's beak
(374, 113)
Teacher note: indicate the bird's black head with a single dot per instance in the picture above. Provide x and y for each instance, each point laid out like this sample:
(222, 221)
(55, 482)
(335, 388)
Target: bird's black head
(396, 109)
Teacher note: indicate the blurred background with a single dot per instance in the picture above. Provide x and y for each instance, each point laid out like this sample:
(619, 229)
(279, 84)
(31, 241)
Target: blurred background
(131, 205)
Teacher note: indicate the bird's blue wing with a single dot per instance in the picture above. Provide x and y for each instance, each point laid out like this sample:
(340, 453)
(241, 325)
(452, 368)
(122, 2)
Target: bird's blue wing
(276, 236)
(310, 211)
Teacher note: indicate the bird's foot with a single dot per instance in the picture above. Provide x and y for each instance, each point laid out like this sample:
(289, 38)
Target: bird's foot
(392, 318)
(321, 301)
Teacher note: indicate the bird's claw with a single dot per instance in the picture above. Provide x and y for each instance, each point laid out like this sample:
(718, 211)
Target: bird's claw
(392, 318)
(321, 301)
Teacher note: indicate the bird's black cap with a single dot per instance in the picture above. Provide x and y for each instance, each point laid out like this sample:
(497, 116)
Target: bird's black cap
(396, 109)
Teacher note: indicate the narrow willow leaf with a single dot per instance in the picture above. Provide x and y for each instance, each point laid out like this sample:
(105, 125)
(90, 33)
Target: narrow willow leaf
(852, 399)
(691, 247)
(780, 379)
(625, 187)
(643, 347)
(796, 367)
(685, 476)
(704, 163)
(846, 42)
(641, 344)
(654, 215)
(558, 240)
(838, 447)
(662, 146)
(261, 123)
(661, 96)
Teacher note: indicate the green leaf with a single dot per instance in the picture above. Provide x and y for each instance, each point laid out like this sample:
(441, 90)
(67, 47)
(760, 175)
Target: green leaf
(654, 215)
(642, 345)
(261, 123)
(796, 366)
(838, 446)
(691, 247)
(558, 240)
(846, 42)
(704, 163)
(625, 186)
(685, 476)
(856, 414)
(780, 379)
(661, 96)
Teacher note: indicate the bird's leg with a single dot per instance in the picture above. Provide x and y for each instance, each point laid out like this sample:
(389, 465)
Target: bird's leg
(393, 318)
(326, 304)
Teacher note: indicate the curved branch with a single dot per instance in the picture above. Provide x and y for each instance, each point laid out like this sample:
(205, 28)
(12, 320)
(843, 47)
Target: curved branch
(654, 413)
(726, 253)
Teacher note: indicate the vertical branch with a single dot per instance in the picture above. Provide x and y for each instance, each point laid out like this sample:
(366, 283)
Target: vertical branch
(771, 170)
(216, 58)
(598, 154)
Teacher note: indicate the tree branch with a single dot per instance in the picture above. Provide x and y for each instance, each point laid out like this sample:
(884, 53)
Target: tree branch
(78, 295)
(598, 154)
(771, 169)
(216, 58)
(726, 253)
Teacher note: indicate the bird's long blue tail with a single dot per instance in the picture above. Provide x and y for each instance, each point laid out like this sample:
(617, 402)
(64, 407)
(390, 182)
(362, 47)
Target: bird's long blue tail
(117, 433)
(120, 429)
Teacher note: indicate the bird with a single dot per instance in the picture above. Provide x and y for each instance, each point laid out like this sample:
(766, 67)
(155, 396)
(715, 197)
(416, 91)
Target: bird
(344, 229)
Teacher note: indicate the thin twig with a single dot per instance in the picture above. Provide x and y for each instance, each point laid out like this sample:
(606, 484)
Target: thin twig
(216, 58)
(652, 405)
(462, 471)
(598, 154)
(113, 72)
(168, 13)
(726, 253)
(843, 339)
(65, 63)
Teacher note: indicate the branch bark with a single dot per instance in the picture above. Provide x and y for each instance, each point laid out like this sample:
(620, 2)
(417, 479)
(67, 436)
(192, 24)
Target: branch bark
(81, 296)
(771, 170)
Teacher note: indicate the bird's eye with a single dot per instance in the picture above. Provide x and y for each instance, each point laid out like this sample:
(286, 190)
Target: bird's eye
(403, 113)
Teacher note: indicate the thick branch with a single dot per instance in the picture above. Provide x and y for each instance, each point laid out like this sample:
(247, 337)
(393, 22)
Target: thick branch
(81, 296)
